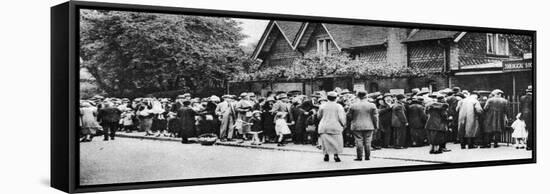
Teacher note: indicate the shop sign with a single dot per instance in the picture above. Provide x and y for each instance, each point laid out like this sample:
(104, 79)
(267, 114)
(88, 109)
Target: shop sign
(518, 65)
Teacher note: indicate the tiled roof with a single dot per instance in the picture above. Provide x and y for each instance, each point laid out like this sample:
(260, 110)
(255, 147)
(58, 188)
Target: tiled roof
(349, 36)
(290, 29)
(472, 62)
(421, 35)
(494, 64)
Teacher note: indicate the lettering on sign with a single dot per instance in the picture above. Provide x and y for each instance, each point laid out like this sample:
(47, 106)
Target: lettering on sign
(520, 65)
(397, 91)
(359, 87)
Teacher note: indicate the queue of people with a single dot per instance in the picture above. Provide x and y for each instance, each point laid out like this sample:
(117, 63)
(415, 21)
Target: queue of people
(329, 120)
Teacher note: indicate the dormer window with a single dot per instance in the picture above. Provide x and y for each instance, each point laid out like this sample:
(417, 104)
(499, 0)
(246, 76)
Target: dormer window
(497, 44)
(323, 46)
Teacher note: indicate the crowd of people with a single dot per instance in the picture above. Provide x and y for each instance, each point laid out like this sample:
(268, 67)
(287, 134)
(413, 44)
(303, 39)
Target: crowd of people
(329, 120)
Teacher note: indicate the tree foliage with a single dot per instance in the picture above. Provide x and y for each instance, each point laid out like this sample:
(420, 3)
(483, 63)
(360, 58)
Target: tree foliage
(519, 44)
(133, 53)
(339, 65)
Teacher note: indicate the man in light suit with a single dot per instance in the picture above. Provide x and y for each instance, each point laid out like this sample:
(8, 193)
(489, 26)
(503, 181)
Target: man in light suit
(226, 114)
(364, 120)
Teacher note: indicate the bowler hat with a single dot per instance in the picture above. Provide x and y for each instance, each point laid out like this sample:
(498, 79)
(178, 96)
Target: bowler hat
(362, 94)
(456, 89)
(497, 91)
(400, 96)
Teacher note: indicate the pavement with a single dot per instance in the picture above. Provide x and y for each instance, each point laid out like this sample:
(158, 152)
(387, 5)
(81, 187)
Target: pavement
(417, 154)
(134, 157)
(127, 160)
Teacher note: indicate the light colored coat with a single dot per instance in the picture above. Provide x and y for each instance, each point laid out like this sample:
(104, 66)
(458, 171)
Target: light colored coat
(363, 115)
(226, 114)
(332, 118)
(468, 119)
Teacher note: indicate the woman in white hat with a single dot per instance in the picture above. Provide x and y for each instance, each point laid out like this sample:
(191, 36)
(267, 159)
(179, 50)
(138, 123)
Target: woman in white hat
(332, 121)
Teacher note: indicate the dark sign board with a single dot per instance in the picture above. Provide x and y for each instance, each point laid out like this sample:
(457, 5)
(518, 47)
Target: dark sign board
(517, 65)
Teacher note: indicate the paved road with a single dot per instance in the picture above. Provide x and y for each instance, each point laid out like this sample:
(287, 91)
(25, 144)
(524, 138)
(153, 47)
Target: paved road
(134, 160)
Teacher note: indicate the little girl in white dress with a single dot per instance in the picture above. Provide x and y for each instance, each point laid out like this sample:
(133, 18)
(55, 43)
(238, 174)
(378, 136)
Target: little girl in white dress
(281, 127)
(520, 133)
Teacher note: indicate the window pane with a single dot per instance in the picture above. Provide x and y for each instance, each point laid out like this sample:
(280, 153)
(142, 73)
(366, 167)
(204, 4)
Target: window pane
(490, 44)
(502, 46)
(327, 42)
(319, 43)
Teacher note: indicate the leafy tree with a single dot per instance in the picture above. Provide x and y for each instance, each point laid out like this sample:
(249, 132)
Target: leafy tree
(519, 44)
(133, 53)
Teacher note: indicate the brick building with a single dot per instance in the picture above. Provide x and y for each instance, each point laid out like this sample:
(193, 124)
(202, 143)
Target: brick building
(470, 60)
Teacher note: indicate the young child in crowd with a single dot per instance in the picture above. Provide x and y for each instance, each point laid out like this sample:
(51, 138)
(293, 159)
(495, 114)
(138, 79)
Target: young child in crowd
(172, 124)
(281, 127)
(127, 120)
(256, 129)
(520, 133)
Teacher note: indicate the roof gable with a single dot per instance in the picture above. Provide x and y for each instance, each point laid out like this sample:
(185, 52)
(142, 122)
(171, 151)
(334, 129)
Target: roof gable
(350, 36)
(421, 35)
(288, 29)
(345, 36)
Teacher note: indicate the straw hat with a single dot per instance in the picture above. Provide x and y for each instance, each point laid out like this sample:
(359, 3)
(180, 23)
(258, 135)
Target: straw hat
(215, 98)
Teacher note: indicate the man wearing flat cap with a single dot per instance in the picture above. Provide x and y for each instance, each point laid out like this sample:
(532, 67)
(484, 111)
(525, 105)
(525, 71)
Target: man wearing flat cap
(364, 120)
(526, 110)
(453, 99)
(496, 114)
(399, 121)
(282, 105)
(417, 121)
(109, 116)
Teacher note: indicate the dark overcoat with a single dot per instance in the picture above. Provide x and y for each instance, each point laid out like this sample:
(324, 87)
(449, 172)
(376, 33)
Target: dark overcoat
(526, 109)
(110, 115)
(399, 115)
(384, 115)
(496, 111)
(437, 116)
(186, 117)
(416, 116)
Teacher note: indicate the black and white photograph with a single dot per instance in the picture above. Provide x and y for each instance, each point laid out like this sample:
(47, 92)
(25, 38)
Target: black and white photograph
(274, 97)
(177, 97)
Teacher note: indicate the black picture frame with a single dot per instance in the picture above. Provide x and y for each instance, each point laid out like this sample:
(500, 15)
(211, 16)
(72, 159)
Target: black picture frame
(64, 96)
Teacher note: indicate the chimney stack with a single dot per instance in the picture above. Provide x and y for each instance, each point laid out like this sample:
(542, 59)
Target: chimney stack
(396, 51)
